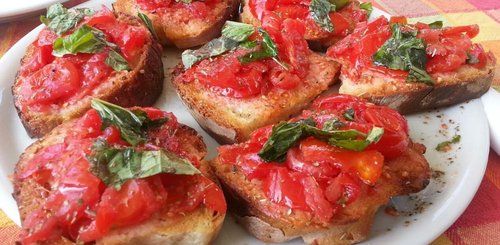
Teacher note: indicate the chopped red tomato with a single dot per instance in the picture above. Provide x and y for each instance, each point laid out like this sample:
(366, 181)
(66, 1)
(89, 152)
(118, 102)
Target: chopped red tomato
(80, 207)
(317, 176)
(398, 20)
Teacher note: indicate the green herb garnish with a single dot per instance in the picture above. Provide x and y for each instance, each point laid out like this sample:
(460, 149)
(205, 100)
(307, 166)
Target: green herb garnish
(237, 31)
(472, 59)
(149, 24)
(114, 166)
(445, 145)
(436, 24)
(61, 20)
(285, 135)
(349, 114)
(404, 51)
(320, 12)
(333, 124)
(367, 7)
(132, 123)
(89, 40)
(268, 50)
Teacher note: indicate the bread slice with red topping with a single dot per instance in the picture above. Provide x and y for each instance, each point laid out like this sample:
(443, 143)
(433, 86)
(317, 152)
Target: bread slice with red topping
(306, 178)
(184, 24)
(234, 93)
(341, 21)
(447, 68)
(68, 191)
(121, 63)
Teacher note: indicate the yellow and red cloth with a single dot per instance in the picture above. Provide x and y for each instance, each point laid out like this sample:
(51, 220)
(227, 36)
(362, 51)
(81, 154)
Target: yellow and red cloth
(480, 223)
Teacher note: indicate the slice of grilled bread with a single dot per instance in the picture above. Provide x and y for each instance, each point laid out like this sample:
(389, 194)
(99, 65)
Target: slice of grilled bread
(318, 40)
(450, 88)
(140, 86)
(180, 27)
(405, 174)
(231, 120)
(200, 226)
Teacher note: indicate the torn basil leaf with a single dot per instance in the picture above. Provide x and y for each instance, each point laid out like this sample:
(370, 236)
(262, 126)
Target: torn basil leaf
(349, 114)
(268, 50)
(116, 61)
(61, 20)
(404, 51)
(436, 24)
(237, 31)
(132, 123)
(367, 7)
(213, 48)
(83, 40)
(472, 59)
(339, 4)
(320, 12)
(145, 19)
(249, 44)
(332, 124)
(445, 145)
(285, 135)
(114, 166)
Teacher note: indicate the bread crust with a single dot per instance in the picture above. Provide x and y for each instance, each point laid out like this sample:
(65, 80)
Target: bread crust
(200, 226)
(450, 88)
(274, 223)
(139, 87)
(231, 120)
(172, 31)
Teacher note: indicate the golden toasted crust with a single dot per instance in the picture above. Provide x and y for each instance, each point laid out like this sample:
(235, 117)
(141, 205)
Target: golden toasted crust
(173, 29)
(231, 120)
(198, 227)
(270, 222)
(139, 87)
(450, 88)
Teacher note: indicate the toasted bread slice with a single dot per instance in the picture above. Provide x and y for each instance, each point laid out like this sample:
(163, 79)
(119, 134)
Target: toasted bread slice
(403, 175)
(199, 226)
(317, 38)
(179, 27)
(450, 88)
(231, 120)
(140, 86)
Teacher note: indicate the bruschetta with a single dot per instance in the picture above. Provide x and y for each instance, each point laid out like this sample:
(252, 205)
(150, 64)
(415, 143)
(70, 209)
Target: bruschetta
(322, 175)
(326, 21)
(81, 54)
(118, 176)
(251, 77)
(185, 23)
(413, 67)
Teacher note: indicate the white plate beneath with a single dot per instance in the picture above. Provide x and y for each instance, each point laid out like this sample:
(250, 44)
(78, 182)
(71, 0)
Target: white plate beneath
(12, 9)
(450, 194)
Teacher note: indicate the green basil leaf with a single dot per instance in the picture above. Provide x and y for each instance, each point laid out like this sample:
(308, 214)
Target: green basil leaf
(367, 7)
(285, 135)
(116, 61)
(149, 24)
(333, 124)
(237, 31)
(339, 4)
(444, 146)
(114, 166)
(249, 44)
(320, 12)
(61, 20)
(213, 48)
(132, 124)
(404, 51)
(268, 50)
(436, 24)
(83, 40)
(349, 114)
(472, 59)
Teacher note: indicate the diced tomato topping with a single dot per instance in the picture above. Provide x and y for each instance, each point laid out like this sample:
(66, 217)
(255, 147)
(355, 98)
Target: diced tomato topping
(317, 176)
(398, 20)
(343, 19)
(447, 49)
(80, 207)
(49, 82)
(227, 76)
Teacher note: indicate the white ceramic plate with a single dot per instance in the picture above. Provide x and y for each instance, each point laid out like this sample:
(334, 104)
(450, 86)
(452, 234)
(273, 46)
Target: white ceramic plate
(463, 167)
(13, 9)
